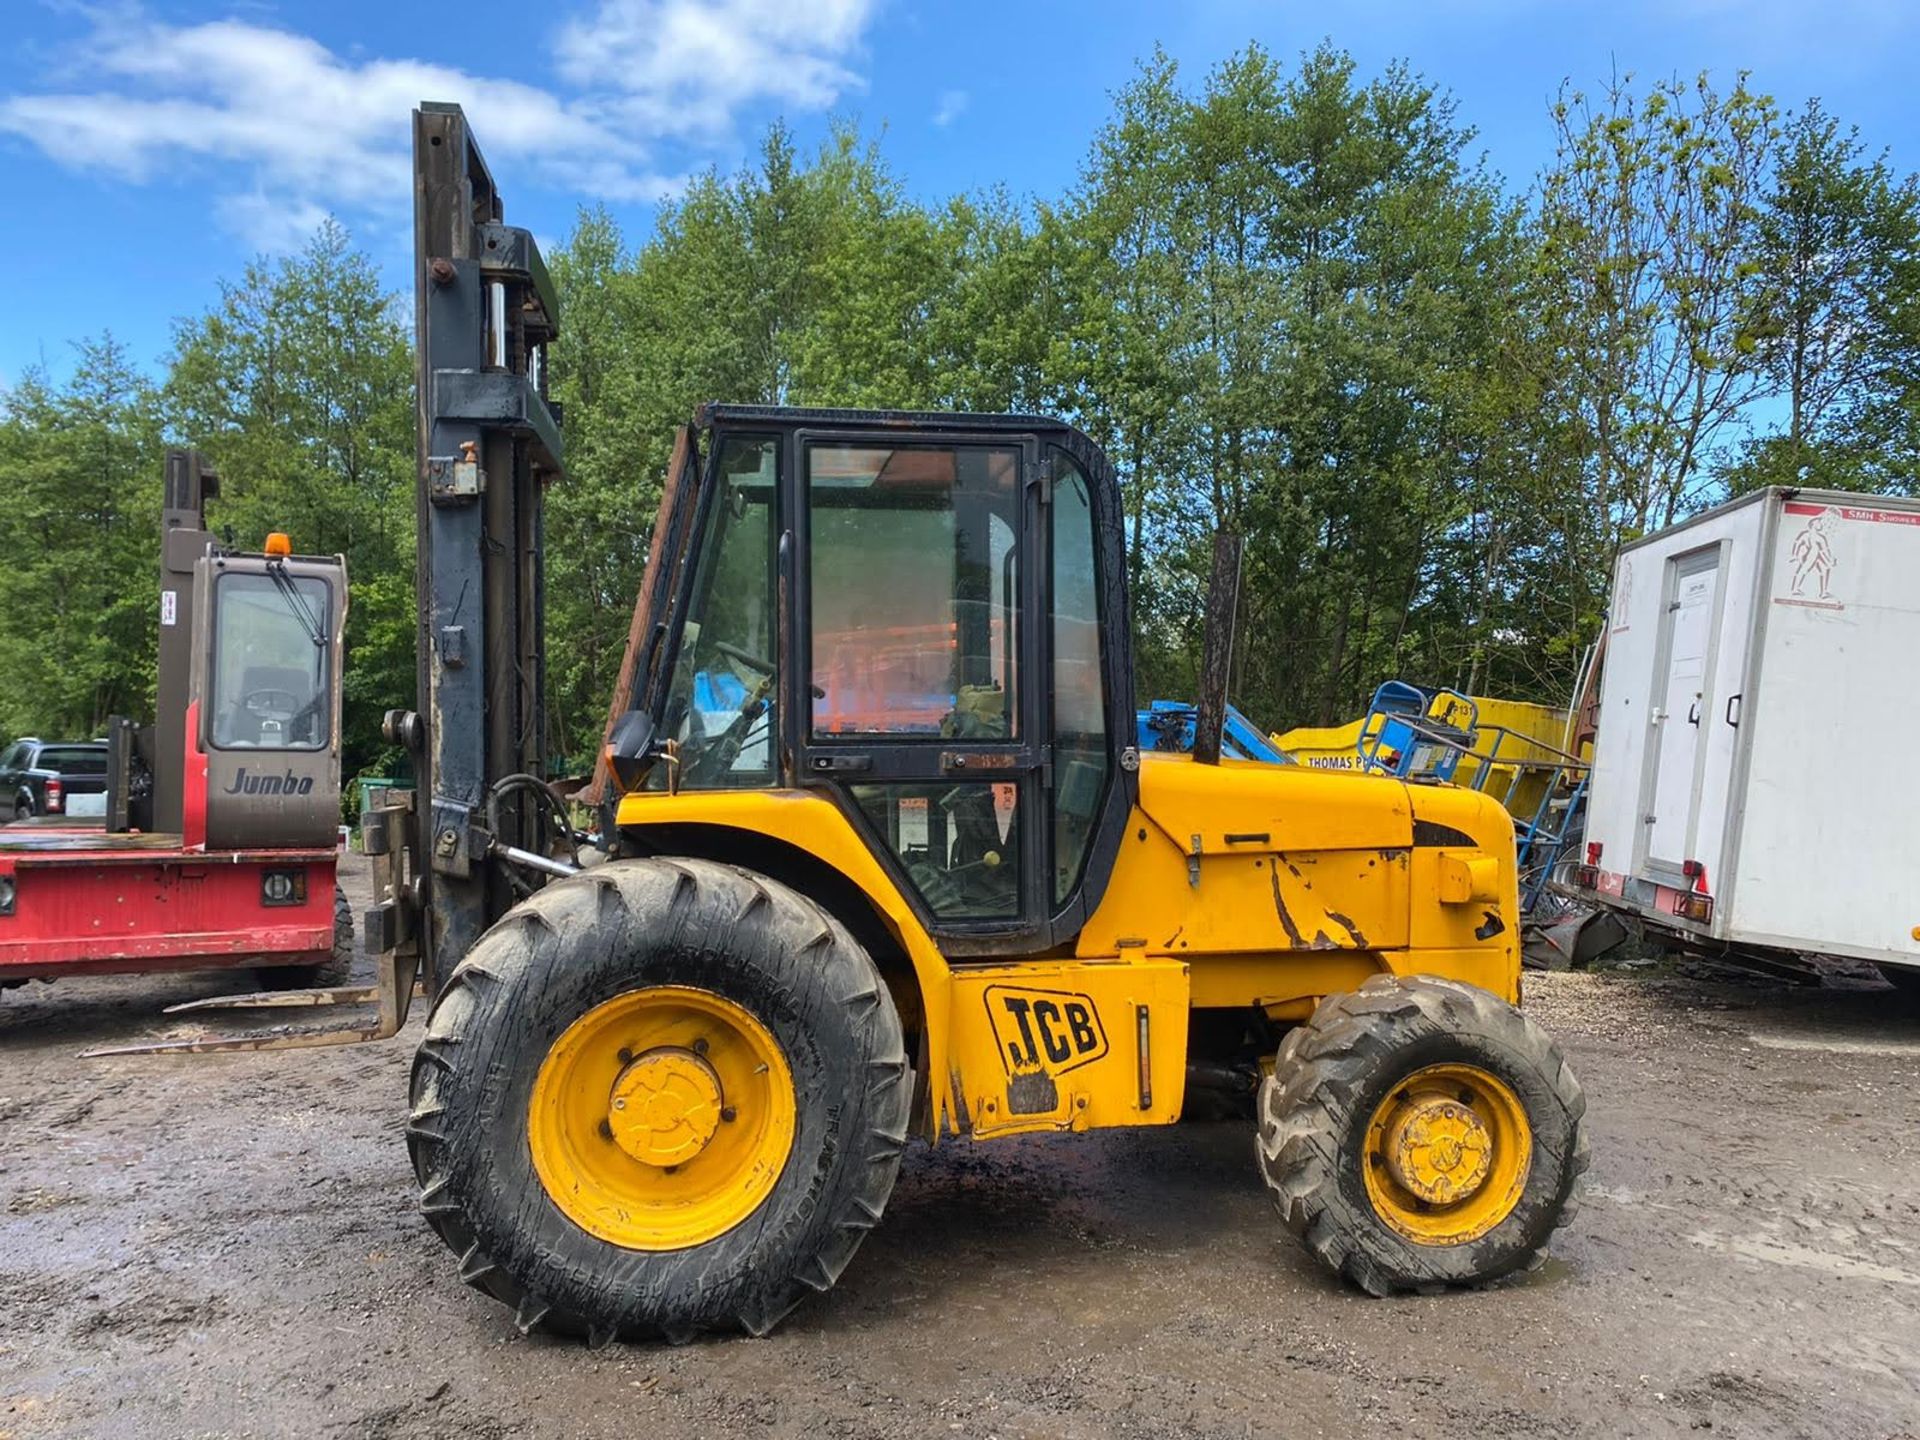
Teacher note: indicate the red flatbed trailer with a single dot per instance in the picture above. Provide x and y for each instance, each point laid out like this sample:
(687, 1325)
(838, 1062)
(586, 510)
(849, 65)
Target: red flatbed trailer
(89, 903)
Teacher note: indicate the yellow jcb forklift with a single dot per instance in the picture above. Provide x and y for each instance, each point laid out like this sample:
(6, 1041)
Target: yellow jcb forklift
(884, 863)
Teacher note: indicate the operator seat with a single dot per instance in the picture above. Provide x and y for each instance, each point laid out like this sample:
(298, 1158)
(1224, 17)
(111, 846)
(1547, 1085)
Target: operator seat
(247, 726)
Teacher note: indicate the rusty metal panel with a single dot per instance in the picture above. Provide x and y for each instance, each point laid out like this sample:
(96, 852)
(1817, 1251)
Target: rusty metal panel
(652, 600)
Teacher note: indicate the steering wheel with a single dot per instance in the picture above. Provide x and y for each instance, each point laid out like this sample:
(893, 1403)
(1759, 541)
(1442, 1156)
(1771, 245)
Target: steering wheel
(756, 663)
(271, 702)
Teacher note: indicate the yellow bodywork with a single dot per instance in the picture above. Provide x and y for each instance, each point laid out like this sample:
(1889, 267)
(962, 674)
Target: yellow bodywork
(1237, 885)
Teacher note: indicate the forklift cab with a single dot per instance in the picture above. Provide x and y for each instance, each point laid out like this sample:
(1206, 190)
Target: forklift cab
(264, 712)
(848, 607)
(244, 752)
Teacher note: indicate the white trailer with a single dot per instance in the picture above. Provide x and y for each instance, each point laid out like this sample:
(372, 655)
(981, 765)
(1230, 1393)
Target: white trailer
(1753, 786)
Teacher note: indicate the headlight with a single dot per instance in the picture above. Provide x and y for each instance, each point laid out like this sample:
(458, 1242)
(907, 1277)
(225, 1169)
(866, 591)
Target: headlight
(283, 887)
(6, 894)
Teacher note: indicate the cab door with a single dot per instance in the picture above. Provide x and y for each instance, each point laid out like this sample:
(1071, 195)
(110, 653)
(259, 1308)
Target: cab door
(915, 575)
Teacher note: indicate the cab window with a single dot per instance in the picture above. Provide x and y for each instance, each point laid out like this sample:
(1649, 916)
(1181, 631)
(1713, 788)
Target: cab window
(722, 702)
(1079, 689)
(271, 672)
(915, 591)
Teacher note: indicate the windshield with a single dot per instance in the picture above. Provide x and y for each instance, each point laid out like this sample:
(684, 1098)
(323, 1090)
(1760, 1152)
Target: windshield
(721, 705)
(271, 667)
(87, 760)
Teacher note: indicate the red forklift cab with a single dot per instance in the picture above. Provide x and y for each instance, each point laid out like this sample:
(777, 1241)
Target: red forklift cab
(221, 834)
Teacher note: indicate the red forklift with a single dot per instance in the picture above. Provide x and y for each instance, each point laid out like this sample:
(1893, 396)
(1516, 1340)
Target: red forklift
(220, 835)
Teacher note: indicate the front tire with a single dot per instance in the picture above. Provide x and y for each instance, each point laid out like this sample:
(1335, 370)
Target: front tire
(663, 1097)
(1418, 1133)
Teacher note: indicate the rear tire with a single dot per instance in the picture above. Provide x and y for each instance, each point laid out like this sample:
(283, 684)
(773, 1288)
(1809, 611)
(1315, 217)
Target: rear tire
(334, 971)
(1361, 1058)
(621, 935)
(23, 810)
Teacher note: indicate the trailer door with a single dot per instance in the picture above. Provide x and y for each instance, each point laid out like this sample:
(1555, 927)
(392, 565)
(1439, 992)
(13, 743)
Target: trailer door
(1681, 704)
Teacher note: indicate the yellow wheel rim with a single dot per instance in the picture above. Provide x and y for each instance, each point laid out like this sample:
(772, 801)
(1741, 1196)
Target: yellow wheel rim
(661, 1118)
(1447, 1154)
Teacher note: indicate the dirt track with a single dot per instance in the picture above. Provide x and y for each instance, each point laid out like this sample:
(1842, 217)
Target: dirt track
(228, 1246)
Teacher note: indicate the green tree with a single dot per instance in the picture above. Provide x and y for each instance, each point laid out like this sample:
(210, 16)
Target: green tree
(1838, 247)
(1286, 303)
(80, 553)
(1648, 218)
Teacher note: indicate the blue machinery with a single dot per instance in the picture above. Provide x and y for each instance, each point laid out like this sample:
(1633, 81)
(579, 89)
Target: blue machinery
(1169, 725)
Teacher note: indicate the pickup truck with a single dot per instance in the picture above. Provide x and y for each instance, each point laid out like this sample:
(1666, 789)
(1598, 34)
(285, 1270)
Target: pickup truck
(44, 777)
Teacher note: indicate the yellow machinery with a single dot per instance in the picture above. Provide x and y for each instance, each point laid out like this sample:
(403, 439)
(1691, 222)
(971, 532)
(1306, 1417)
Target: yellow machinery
(886, 863)
(1525, 744)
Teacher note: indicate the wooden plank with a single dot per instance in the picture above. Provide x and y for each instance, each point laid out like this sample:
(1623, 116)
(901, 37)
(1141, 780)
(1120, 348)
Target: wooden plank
(598, 788)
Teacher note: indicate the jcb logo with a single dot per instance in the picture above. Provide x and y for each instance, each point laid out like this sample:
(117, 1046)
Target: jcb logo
(1053, 1030)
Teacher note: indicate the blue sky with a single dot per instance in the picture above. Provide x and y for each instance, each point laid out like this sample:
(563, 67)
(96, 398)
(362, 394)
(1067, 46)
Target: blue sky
(149, 149)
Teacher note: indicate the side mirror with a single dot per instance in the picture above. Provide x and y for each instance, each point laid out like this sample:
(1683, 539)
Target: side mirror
(631, 750)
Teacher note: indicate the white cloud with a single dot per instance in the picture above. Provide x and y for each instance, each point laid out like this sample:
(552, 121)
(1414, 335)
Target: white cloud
(275, 225)
(953, 104)
(303, 130)
(683, 67)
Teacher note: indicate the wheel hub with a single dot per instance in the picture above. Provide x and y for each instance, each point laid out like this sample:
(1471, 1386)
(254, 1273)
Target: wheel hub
(662, 1117)
(665, 1106)
(1439, 1150)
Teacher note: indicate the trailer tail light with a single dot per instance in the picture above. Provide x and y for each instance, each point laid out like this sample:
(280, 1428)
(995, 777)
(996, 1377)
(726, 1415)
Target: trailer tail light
(1694, 907)
(1593, 852)
(283, 887)
(56, 796)
(1586, 877)
(1697, 873)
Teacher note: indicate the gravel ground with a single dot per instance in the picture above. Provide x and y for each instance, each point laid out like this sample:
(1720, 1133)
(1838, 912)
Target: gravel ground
(228, 1246)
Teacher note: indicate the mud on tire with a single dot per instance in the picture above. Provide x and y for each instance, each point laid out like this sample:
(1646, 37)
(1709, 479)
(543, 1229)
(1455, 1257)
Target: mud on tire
(1334, 1071)
(337, 969)
(576, 944)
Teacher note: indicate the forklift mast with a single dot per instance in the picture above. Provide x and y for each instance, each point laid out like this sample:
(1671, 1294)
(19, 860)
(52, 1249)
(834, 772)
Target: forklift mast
(488, 444)
(190, 483)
